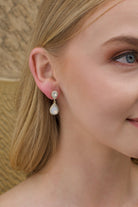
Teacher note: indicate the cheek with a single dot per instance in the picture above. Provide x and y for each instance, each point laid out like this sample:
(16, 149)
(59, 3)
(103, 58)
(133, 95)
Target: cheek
(98, 101)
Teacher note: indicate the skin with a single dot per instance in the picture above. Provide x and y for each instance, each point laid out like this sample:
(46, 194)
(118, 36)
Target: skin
(92, 165)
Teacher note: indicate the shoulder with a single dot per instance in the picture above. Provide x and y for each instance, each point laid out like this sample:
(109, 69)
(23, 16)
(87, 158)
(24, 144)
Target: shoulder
(7, 199)
(25, 194)
(15, 197)
(11, 198)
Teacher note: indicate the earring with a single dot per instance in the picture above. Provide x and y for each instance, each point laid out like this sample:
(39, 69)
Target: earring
(54, 108)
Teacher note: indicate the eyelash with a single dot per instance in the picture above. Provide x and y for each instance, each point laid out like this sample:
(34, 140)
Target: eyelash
(133, 52)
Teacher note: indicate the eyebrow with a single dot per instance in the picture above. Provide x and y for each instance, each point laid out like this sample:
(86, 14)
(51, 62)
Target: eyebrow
(123, 39)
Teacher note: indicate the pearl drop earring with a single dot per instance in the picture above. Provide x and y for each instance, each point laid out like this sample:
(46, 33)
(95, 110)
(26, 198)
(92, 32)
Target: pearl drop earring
(54, 108)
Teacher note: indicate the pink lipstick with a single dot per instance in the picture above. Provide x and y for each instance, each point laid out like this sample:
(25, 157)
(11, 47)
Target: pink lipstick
(134, 121)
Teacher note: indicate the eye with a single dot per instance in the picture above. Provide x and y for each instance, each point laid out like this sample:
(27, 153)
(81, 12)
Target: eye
(128, 58)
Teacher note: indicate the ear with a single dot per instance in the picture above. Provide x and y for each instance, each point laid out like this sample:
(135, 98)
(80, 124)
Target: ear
(42, 67)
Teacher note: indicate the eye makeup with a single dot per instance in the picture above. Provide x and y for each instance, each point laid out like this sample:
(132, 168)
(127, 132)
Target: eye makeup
(133, 55)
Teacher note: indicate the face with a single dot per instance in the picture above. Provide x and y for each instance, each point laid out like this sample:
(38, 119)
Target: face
(99, 78)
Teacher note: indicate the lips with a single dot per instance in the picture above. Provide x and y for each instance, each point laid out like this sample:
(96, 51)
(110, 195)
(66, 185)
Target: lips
(134, 122)
(135, 119)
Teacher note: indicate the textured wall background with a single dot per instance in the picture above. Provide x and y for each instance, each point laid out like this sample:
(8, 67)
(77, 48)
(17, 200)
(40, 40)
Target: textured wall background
(16, 20)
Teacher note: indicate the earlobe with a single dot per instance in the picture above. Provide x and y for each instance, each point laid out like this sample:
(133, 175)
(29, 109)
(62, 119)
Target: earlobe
(41, 68)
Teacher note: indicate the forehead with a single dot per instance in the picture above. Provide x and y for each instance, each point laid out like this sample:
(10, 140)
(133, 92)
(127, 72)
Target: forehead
(114, 19)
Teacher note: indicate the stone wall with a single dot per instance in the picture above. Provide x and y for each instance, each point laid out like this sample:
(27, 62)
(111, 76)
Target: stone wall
(16, 22)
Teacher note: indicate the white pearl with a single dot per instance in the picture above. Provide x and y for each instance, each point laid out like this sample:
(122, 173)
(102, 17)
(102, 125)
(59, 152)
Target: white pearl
(54, 109)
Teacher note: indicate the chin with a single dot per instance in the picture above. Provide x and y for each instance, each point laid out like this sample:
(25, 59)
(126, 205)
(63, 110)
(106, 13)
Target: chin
(133, 155)
(131, 151)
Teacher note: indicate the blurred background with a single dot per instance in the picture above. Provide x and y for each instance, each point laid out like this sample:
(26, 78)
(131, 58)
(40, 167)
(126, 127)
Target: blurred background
(16, 22)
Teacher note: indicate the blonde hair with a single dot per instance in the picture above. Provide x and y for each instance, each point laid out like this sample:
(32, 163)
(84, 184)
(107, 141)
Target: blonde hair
(36, 133)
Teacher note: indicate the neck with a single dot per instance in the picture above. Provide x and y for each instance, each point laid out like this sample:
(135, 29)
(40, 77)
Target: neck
(90, 175)
(87, 173)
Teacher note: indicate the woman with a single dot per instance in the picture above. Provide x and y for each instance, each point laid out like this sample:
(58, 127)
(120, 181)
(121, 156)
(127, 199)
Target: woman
(75, 130)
